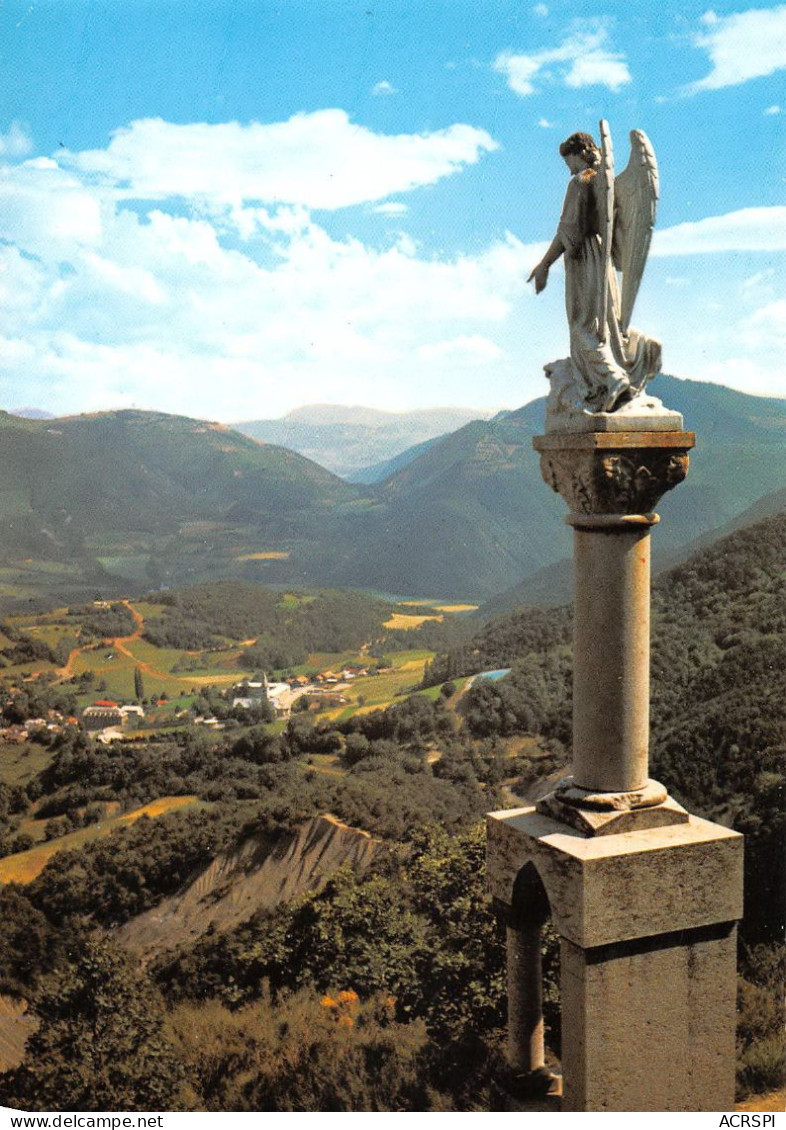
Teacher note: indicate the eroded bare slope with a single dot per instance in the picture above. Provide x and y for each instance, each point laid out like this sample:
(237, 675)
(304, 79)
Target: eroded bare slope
(260, 874)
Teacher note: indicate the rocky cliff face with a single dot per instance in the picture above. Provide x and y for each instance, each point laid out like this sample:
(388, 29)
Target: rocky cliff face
(16, 1024)
(260, 874)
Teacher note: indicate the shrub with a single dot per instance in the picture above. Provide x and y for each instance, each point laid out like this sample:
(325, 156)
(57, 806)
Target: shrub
(303, 1053)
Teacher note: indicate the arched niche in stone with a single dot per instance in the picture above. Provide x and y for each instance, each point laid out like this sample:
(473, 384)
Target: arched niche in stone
(525, 916)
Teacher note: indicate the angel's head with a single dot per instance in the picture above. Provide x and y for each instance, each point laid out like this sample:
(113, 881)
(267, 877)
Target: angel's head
(580, 151)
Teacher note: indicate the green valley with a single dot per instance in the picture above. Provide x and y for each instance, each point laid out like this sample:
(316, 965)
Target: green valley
(180, 501)
(309, 857)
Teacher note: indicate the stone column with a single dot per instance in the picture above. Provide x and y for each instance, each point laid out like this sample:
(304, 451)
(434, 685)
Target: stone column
(526, 1053)
(612, 635)
(644, 896)
(612, 482)
(524, 918)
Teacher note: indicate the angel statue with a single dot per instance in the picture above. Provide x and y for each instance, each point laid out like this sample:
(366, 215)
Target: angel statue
(605, 227)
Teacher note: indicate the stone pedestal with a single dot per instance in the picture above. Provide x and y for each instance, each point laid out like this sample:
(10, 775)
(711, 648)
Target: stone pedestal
(647, 925)
(644, 896)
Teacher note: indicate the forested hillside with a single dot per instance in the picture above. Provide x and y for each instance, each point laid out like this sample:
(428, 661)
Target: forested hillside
(122, 502)
(380, 990)
(283, 630)
(718, 687)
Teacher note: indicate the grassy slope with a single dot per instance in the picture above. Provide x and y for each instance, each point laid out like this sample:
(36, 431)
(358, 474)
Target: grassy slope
(140, 496)
(20, 763)
(26, 865)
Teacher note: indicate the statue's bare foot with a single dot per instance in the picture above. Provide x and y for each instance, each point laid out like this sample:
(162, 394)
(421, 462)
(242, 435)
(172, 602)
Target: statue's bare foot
(616, 393)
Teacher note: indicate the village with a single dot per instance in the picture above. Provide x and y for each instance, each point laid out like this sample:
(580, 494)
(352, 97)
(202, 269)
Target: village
(109, 720)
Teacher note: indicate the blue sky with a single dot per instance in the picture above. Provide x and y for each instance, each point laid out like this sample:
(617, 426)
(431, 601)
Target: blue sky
(228, 209)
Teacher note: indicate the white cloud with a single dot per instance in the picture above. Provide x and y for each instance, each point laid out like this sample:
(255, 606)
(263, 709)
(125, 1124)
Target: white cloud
(766, 328)
(45, 209)
(466, 349)
(771, 111)
(244, 306)
(541, 11)
(135, 282)
(739, 371)
(749, 229)
(519, 70)
(544, 123)
(584, 58)
(17, 142)
(742, 46)
(384, 87)
(161, 304)
(391, 208)
(319, 160)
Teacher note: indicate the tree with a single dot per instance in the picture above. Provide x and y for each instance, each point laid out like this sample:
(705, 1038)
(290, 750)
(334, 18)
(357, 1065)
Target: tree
(100, 1045)
(139, 684)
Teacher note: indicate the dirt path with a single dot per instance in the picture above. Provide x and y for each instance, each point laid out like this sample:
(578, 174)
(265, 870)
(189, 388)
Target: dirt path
(120, 644)
(67, 672)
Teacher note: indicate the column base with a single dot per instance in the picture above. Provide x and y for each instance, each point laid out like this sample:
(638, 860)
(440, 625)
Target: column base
(595, 813)
(650, 1025)
(531, 1084)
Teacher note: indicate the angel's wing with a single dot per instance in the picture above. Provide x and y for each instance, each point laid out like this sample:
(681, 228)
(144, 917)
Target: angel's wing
(635, 200)
(605, 202)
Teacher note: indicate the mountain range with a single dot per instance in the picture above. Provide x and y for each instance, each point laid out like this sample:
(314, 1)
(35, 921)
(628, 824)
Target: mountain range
(129, 500)
(359, 444)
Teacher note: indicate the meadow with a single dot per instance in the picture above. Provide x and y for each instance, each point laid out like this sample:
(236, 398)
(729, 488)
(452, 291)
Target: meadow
(27, 865)
(110, 666)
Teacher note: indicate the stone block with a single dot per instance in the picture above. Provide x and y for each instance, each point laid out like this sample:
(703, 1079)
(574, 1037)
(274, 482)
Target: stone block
(647, 925)
(612, 888)
(650, 1025)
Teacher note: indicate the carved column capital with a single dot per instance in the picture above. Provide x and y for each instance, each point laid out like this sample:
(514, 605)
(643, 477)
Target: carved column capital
(606, 477)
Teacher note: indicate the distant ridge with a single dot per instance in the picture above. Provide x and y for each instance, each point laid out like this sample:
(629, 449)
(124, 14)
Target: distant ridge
(129, 501)
(442, 418)
(553, 585)
(472, 509)
(32, 413)
(350, 440)
(379, 471)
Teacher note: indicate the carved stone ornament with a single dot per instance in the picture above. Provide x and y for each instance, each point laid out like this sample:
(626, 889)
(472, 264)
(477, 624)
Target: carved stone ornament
(621, 479)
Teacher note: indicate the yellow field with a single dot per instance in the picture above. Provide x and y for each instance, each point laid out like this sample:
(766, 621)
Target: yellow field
(404, 621)
(271, 555)
(218, 679)
(27, 865)
(455, 607)
(379, 691)
(37, 827)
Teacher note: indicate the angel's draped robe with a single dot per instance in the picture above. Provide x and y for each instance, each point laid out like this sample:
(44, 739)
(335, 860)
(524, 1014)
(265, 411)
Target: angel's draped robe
(606, 370)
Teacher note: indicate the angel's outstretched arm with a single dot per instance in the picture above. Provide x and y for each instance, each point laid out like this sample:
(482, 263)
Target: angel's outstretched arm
(540, 273)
